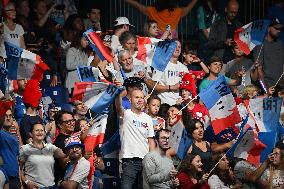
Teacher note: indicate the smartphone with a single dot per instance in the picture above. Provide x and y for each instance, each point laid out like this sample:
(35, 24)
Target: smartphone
(168, 27)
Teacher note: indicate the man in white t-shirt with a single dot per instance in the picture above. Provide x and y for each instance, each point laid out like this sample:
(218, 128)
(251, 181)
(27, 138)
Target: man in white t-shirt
(136, 136)
(168, 81)
(77, 171)
(121, 24)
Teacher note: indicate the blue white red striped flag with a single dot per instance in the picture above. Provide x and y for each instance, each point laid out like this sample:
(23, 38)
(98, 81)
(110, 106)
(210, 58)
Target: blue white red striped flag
(251, 35)
(179, 140)
(162, 54)
(96, 132)
(146, 47)
(90, 74)
(97, 96)
(222, 107)
(97, 45)
(23, 64)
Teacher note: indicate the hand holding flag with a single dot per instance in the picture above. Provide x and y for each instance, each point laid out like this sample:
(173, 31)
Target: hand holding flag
(96, 95)
(96, 43)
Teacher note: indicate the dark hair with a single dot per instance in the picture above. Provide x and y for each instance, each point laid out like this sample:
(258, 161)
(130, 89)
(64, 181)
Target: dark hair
(33, 125)
(147, 26)
(77, 124)
(204, 3)
(191, 126)
(93, 6)
(158, 133)
(76, 41)
(214, 59)
(161, 5)
(225, 178)
(125, 36)
(186, 116)
(153, 97)
(187, 167)
(59, 115)
(69, 23)
(163, 111)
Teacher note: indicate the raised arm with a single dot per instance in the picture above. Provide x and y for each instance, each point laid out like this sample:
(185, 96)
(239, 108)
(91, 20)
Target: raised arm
(138, 6)
(161, 88)
(188, 8)
(118, 105)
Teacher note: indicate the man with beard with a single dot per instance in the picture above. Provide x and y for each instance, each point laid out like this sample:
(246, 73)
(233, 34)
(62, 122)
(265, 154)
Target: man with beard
(80, 110)
(136, 136)
(158, 169)
(221, 36)
(78, 169)
(270, 55)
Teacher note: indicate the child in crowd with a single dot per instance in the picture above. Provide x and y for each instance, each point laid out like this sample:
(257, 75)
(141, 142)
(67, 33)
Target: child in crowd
(215, 67)
(188, 92)
(153, 104)
(250, 92)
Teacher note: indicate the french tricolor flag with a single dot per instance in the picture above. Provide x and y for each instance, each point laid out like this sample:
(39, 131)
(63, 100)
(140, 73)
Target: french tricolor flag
(251, 35)
(96, 132)
(97, 96)
(146, 47)
(179, 140)
(23, 64)
(97, 45)
(247, 147)
(222, 107)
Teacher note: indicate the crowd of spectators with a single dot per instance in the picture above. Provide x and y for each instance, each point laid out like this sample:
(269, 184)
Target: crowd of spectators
(43, 148)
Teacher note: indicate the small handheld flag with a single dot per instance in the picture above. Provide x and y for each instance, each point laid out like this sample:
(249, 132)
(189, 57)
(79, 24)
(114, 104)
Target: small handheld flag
(251, 35)
(96, 43)
(23, 64)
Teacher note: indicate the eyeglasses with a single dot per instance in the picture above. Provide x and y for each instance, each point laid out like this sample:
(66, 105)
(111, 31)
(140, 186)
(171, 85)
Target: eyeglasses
(68, 122)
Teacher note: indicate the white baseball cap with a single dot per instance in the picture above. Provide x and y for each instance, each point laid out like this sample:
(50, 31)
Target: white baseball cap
(121, 21)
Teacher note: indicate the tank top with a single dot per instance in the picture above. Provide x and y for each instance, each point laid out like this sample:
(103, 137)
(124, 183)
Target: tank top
(206, 157)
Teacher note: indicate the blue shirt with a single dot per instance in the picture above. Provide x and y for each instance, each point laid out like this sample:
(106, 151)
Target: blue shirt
(9, 151)
(20, 109)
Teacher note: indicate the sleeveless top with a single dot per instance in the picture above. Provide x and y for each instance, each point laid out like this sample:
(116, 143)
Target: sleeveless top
(206, 157)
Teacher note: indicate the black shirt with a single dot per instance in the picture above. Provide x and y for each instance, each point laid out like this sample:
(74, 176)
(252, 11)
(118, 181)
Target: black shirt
(59, 172)
(228, 54)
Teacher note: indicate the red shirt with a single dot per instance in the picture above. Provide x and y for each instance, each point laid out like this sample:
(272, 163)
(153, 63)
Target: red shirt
(198, 111)
(186, 183)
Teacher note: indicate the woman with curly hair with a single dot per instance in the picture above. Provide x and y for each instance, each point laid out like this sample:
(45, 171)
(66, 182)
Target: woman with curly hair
(191, 174)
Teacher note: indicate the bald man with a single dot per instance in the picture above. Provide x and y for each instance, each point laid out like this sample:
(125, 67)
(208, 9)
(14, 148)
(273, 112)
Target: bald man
(222, 32)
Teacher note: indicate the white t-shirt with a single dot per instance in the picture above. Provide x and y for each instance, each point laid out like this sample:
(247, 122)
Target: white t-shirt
(171, 76)
(80, 173)
(39, 164)
(115, 44)
(13, 36)
(134, 133)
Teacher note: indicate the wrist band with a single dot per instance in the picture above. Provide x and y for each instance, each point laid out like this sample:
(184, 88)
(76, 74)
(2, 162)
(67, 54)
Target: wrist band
(170, 88)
